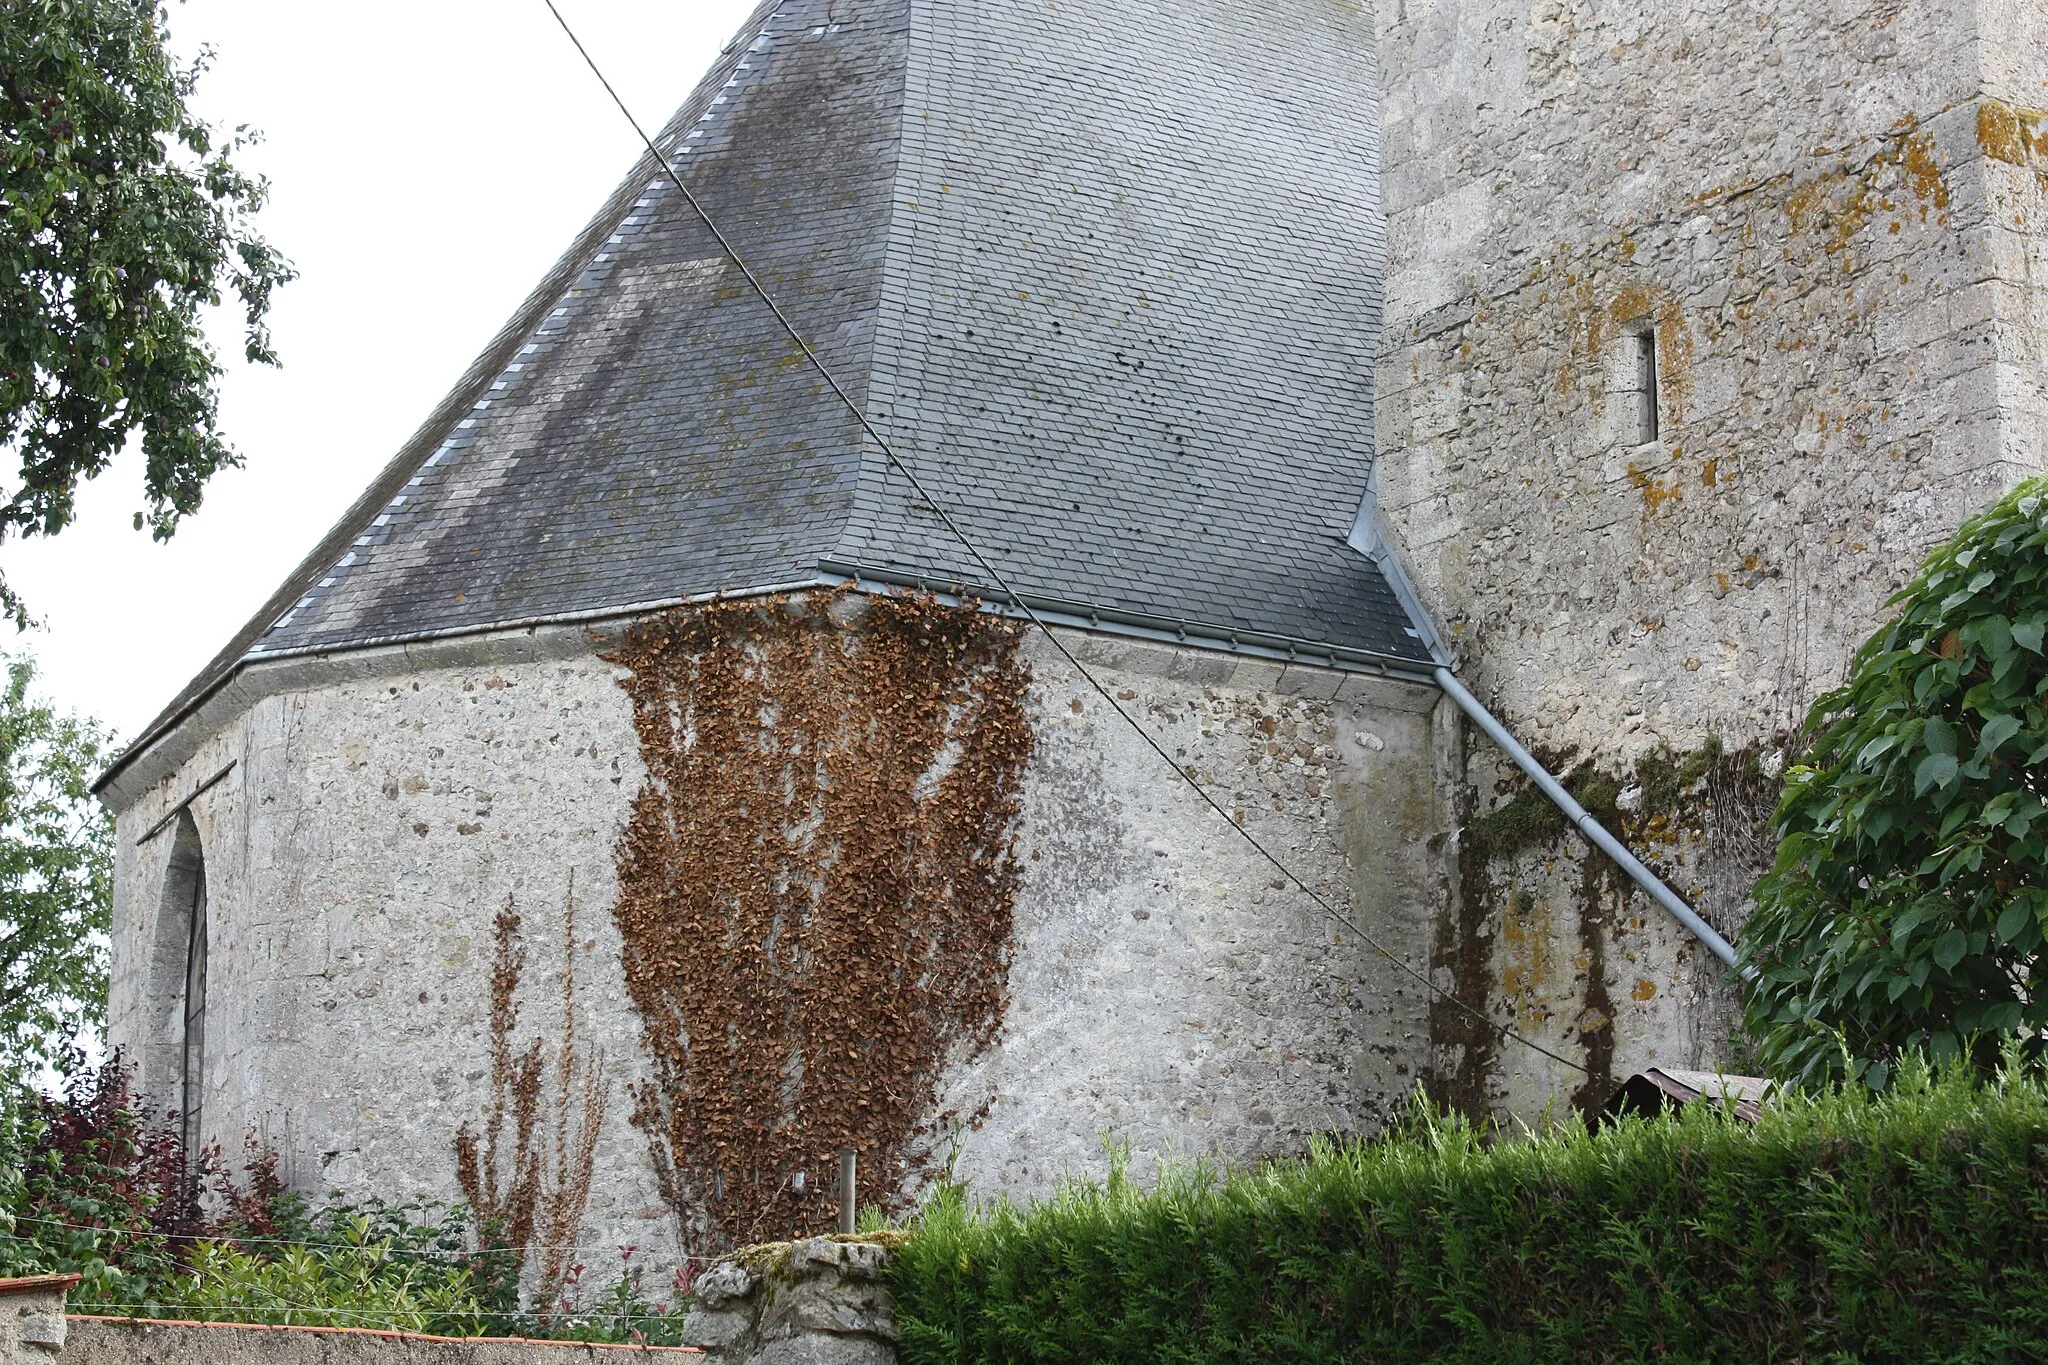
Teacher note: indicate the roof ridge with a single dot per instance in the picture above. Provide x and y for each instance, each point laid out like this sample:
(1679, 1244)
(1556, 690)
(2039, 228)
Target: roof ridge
(885, 368)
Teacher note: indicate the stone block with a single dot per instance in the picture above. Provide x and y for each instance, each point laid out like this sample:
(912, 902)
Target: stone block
(1388, 694)
(1202, 666)
(1154, 660)
(1305, 680)
(1256, 675)
(32, 1326)
(821, 1301)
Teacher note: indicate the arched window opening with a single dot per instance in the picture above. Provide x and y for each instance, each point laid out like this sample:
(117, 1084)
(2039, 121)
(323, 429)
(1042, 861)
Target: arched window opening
(178, 1067)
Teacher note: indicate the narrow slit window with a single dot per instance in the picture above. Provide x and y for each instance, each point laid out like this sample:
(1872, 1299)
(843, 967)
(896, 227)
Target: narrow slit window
(192, 1080)
(1645, 385)
(174, 1060)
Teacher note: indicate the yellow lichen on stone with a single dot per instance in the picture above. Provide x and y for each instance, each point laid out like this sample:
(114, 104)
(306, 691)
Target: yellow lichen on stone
(1655, 493)
(1923, 170)
(1530, 966)
(1841, 201)
(2014, 136)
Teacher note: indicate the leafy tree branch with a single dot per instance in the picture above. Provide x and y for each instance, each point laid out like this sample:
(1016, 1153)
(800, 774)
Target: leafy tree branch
(1907, 908)
(121, 217)
(56, 877)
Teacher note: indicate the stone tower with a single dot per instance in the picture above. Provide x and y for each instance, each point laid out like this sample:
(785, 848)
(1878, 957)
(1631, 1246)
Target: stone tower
(595, 793)
(1703, 322)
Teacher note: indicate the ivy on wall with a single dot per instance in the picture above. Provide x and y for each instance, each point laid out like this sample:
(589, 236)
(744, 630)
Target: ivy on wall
(527, 1170)
(815, 891)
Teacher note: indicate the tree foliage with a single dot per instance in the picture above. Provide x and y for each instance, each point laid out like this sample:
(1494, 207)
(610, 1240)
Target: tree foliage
(121, 216)
(89, 1186)
(56, 876)
(1907, 905)
(92, 1185)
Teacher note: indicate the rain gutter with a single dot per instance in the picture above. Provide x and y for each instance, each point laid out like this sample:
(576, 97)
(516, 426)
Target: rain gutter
(1370, 540)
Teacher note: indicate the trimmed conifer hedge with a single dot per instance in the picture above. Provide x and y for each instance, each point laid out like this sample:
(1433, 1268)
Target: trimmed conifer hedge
(1908, 1226)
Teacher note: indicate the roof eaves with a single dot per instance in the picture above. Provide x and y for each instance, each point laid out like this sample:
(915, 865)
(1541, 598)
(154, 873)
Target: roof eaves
(592, 618)
(1165, 629)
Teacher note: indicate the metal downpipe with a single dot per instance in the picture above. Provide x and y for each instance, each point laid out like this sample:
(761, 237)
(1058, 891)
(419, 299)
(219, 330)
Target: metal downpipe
(1595, 833)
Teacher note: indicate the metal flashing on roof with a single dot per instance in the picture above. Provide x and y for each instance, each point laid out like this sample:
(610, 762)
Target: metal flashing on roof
(1369, 537)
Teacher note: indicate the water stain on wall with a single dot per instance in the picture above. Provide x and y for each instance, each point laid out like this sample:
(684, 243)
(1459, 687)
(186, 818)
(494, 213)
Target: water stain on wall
(1539, 936)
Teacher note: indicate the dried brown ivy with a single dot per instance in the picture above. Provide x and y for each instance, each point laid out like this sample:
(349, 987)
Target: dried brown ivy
(536, 1187)
(815, 890)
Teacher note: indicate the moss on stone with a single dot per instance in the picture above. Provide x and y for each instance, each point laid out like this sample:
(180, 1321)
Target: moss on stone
(1667, 776)
(1531, 819)
(1526, 821)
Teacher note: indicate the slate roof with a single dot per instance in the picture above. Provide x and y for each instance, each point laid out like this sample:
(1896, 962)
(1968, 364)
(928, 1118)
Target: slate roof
(1107, 272)
(1130, 313)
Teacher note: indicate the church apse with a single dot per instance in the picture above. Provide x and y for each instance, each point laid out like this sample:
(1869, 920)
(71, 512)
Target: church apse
(859, 868)
(816, 887)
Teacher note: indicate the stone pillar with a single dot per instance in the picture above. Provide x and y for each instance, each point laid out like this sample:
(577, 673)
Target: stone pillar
(32, 1318)
(822, 1301)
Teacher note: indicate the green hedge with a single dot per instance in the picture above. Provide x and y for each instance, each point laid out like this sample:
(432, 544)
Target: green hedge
(1911, 1226)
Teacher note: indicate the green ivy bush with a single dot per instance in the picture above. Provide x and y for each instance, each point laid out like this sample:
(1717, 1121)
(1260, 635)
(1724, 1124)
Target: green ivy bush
(1905, 1226)
(1907, 904)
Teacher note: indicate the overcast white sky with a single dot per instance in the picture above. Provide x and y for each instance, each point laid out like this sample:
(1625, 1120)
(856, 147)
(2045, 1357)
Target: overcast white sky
(429, 160)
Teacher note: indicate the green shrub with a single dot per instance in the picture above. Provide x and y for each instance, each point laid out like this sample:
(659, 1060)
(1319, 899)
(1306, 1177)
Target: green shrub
(1907, 1226)
(88, 1187)
(88, 1184)
(358, 1281)
(1906, 909)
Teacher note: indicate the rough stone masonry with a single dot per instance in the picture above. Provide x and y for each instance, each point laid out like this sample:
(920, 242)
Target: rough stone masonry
(1162, 987)
(1826, 222)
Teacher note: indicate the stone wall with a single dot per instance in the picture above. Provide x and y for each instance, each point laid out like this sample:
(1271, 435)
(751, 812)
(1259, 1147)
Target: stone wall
(1165, 987)
(820, 1301)
(129, 1341)
(32, 1324)
(1829, 218)
(355, 856)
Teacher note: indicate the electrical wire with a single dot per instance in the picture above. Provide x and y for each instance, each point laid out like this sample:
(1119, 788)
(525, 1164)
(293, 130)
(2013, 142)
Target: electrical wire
(1002, 584)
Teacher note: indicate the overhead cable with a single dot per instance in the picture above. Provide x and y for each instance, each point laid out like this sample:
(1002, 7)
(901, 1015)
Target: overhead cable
(1000, 582)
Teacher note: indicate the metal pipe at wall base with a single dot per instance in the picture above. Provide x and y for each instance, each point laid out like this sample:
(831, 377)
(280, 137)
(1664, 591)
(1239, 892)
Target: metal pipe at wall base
(1595, 833)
